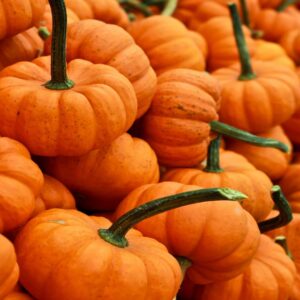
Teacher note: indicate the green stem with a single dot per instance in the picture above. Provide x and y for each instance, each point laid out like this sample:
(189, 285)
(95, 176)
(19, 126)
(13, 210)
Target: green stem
(285, 3)
(44, 33)
(213, 156)
(184, 264)
(136, 5)
(154, 2)
(246, 67)
(245, 136)
(170, 7)
(59, 79)
(281, 240)
(116, 233)
(245, 13)
(285, 213)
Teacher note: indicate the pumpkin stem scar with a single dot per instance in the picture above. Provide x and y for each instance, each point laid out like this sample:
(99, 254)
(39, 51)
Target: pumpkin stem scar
(116, 233)
(136, 5)
(285, 3)
(213, 157)
(184, 265)
(59, 79)
(169, 8)
(281, 241)
(246, 67)
(233, 132)
(285, 213)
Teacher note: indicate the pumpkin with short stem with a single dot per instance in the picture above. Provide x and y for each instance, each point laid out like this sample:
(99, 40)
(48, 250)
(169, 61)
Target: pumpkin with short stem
(8, 266)
(109, 44)
(21, 182)
(88, 248)
(104, 178)
(222, 49)
(271, 161)
(61, 116)
(259, 98)
(53, 195)
(201, 232)
(158, 36)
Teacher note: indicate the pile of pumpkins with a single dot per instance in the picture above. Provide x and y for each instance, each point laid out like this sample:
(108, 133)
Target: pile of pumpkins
(148, 150)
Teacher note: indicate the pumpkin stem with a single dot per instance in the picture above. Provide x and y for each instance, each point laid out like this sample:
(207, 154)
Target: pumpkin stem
(169, 8)
(285, 213)
(44, 33)
(285, 3)
(281, 240)
(213, 156)
(59, 79)
(247, 137)
(154, 2)
(136, 5)
(116, 233)
(246, 67)
(184, 265)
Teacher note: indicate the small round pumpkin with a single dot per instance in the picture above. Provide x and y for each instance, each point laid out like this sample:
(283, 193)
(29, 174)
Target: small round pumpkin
(270, 275)
(272, 162)
(104, 178)
(160, 36)
(8, 266)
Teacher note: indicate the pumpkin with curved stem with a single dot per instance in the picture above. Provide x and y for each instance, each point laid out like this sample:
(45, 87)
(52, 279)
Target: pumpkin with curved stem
(271, 161)
(105, 43)
(90, 242)
(199, 232)
(222, 49)
(127, 164)
(257, 96)
(8, 266)
(158, 36)
(61, 116)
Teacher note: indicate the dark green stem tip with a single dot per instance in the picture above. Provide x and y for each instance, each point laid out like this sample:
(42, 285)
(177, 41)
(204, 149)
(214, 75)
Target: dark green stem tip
(68, 84)
(108, 236)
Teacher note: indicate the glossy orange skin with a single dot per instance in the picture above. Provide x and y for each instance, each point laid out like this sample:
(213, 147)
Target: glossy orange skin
(167, 43)
(268, 51)
(252, 182)
(108, 11)
(109, 44)
(20, 182)
(106, 177)
(100, 107)
(271, 161)
(222, 50)
(219, 249)
(176, 125)
(26, 45)
(53, 195)
(87, 267)
(258, 104)
(19, 15)
(8, 266)
(270, 275)
(291, 43)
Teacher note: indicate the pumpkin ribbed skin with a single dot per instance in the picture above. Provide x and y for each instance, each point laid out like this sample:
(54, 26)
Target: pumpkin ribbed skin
(143, 270)
(270, 275)
(253, 183)
(53, 195)
(176, 126)
(219, 238)
(8, 266)
(186, 9)
(108, 11)
(100, 107)
(105, 178)
(19, 15)
(109, 44)
(20, 183)
(159, 37)
(291, 43)
(26, 45)
(258, 104)
(272, 162)
(200, 42)
(222, 50)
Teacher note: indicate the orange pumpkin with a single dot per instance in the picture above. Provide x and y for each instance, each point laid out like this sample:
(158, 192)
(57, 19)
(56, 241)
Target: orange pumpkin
(53, 195)
(272, 162)
(93, 248)
(158, 36)
(104, 43)
(185, 10)
(21, 182)
(19, 15)
(18, 294)
(217, 248)
(8, 266)
(270, 275)
(256, 97)
(104, 178)
(270, 3)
